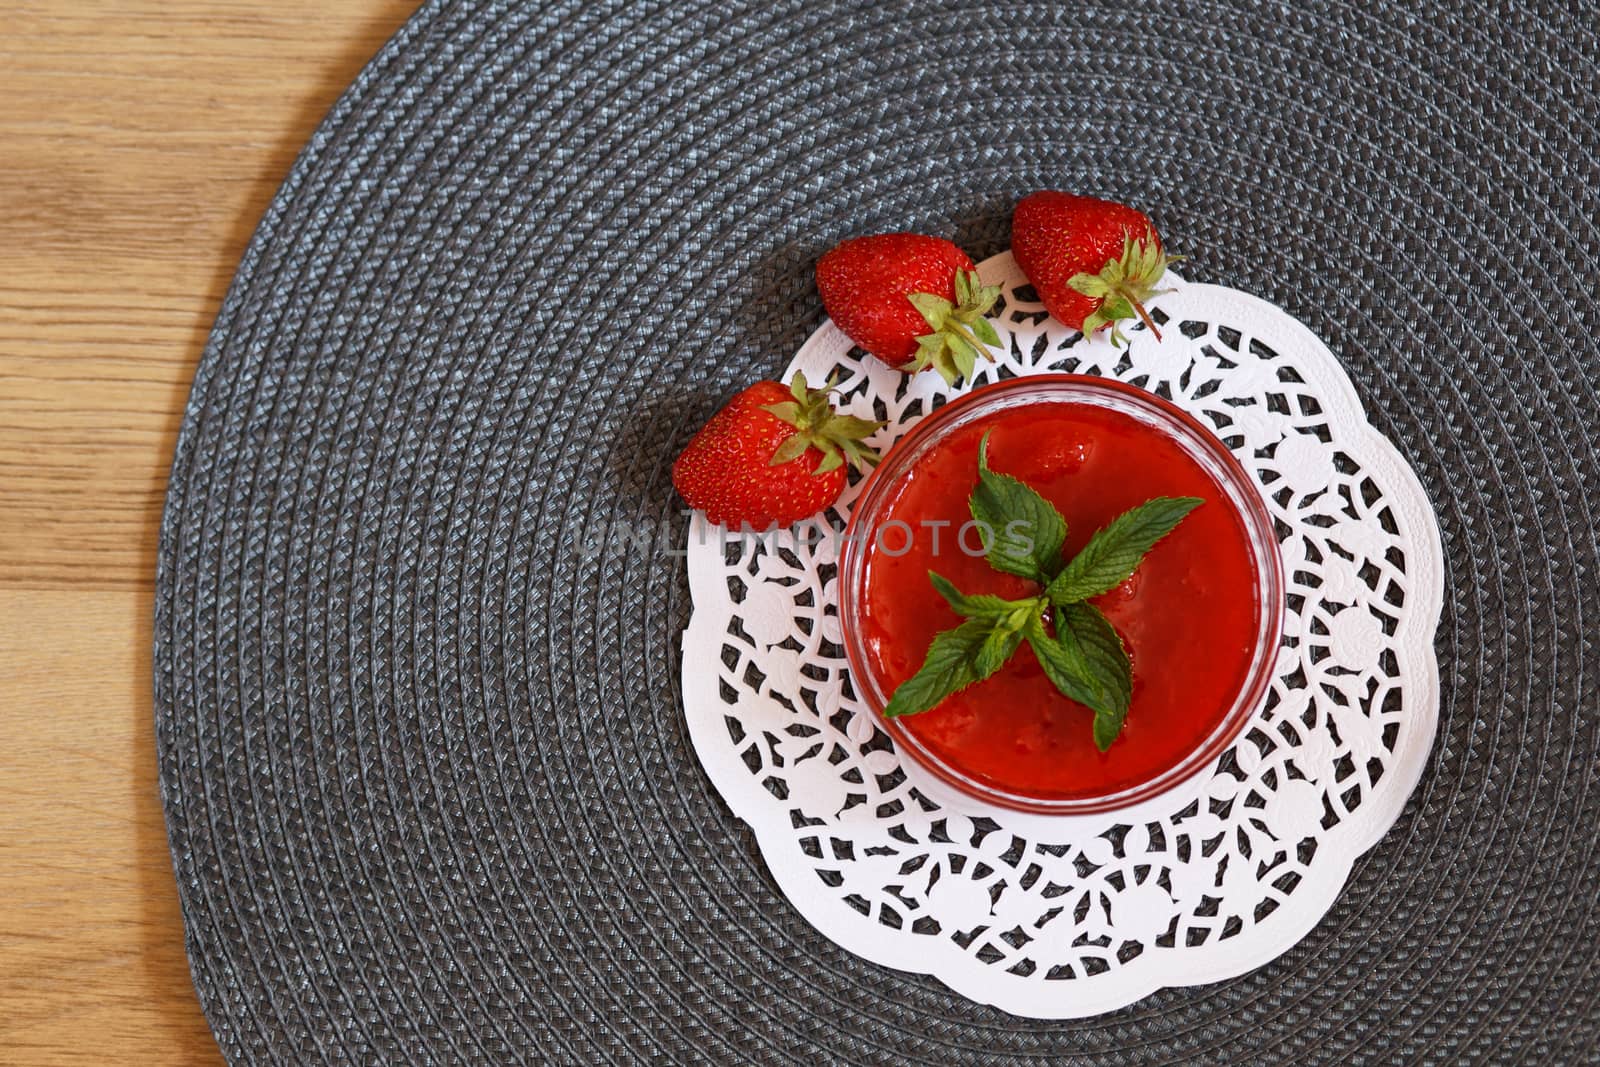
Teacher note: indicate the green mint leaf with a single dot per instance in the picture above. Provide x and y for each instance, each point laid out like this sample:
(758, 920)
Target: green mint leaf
(1085, 660)
(951, 665)
(1021, 531)
(996, 649)
(1114, 551)
(1102, 649)
(969, 653)
(980, 606)
(1065, 665)
(1107, 725)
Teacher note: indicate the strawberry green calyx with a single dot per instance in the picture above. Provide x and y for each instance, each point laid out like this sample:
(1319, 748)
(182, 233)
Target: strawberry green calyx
(838, 437)
(960, 332)
(1124, 285)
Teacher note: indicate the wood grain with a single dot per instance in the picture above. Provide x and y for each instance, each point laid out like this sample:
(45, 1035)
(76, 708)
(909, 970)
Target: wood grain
(140, 142)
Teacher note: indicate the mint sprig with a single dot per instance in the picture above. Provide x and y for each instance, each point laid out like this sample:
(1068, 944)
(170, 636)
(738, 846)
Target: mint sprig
(1079, 649)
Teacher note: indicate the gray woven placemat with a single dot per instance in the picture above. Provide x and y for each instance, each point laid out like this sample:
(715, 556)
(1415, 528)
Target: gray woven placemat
(427, 781)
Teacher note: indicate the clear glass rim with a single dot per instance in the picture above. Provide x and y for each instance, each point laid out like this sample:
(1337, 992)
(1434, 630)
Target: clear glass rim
(1198, 441)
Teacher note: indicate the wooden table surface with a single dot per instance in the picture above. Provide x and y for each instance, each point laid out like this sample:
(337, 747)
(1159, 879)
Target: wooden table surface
(140, 141)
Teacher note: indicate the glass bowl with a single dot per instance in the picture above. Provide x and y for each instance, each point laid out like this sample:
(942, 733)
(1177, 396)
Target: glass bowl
(1160, 417)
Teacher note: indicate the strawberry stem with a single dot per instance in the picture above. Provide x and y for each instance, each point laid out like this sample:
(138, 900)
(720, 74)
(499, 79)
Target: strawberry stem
(1144, 316)
(1123, 285)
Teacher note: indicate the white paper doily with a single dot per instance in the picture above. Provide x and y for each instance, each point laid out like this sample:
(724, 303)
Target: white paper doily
(1063, 918)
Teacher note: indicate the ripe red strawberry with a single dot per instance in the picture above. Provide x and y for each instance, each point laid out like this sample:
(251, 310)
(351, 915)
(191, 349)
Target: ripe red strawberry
(913, 301)
(1093, 262)
(772, 455)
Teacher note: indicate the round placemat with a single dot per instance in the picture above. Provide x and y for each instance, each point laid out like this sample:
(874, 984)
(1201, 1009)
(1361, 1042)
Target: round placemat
(429, 793)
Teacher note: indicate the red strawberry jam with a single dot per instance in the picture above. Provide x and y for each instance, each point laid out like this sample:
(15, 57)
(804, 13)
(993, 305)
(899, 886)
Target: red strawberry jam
(1191, 615)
